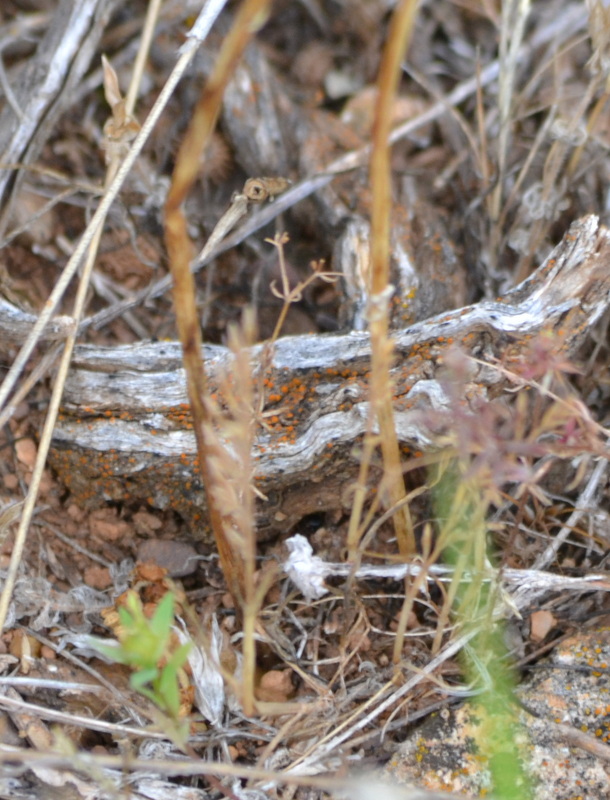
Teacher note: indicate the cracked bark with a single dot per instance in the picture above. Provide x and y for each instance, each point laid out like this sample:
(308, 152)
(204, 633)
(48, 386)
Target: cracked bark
(124, 434)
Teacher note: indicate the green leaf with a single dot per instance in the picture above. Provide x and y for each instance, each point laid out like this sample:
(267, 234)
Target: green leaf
(169, 690)
(180, 656)
(143, 676)
(143, 644)
(163, 618)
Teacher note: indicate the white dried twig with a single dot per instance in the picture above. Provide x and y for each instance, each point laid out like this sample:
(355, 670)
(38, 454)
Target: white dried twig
(207, 676)
(308, 572)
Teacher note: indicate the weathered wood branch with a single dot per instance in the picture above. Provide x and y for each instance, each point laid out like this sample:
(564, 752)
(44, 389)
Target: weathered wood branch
(125, 431)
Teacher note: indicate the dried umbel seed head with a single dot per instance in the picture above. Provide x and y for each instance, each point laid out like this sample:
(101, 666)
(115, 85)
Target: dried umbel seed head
(257, 190)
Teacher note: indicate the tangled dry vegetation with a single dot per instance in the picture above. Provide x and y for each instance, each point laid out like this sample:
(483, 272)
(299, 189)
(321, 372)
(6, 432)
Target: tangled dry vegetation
(399, 417)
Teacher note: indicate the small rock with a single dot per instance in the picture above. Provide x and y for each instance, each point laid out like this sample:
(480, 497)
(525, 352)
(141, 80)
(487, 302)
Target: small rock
(11, 482)
(178, 558)
(97, 577)
(26, 450)
(276, 686)
(76, 512)
(541, 624)
(108, 527)
(146, 523)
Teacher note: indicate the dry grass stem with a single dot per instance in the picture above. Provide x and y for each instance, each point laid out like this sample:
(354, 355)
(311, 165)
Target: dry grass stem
(401, 28)
(223, 504)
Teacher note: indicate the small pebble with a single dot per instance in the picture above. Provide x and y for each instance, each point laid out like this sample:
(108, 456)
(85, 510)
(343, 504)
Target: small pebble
(178, 558)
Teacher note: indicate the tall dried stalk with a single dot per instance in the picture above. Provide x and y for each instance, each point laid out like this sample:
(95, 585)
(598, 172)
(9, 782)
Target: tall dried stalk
(228, 433)
(512, 29)
(399, 34)
(249, 18)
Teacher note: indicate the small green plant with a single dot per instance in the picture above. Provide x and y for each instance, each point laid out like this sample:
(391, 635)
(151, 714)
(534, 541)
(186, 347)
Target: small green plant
(501, 446)
(147, 645)
(461, 503)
